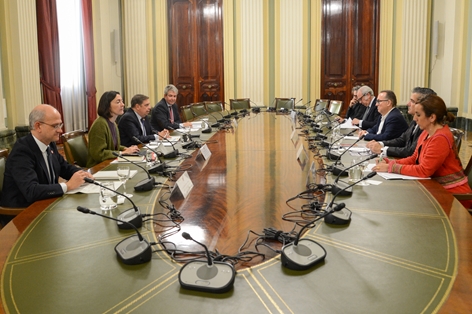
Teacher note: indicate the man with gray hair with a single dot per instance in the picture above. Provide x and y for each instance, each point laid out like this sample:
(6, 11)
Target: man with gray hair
(404, 145)
(165, 114)
(365, 96)
(34, 165)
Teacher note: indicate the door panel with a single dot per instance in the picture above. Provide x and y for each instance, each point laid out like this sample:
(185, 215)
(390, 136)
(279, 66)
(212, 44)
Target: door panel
(196, 50)
(350, 43)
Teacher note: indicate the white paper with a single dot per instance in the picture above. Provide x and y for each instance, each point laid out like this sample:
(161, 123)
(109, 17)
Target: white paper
(90, 188)
(111, 175)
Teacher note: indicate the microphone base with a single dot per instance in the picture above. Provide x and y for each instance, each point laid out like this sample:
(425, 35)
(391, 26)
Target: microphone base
(339, 171)
(338, 187)
(157, 168)
(323, 143)
(333, 155)
(172, 154)
(132, 217)
(342, 217)
(198, 276)
(131, 251)
(303, 256)
(207, 130)
(145, 185)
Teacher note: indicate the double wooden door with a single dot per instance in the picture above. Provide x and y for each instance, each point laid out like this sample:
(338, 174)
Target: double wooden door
(350, 45)
(196, 50)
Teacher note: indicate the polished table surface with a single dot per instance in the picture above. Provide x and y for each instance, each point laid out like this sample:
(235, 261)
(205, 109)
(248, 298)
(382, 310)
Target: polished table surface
(407, 246)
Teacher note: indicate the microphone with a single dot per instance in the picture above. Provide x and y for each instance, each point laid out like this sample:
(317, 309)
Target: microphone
(344, 216)
(131, 216)
(143, 185)
(161, 166)
(297, 102)
(323, 137)
(341, 171)
(208, 129)
(228, 113)
(344, 191)
(175, 152)
(256, 109)
(303, 254)
(191, 143)
(215, 125)
(133, 250)
(332, 156)
(210, 276)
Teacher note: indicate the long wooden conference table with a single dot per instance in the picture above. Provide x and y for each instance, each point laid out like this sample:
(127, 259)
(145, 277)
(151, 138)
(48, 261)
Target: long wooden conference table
(406, 250)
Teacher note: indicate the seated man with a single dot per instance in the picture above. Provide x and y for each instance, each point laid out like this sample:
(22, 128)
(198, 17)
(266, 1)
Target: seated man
(366, 97)
(165, 114)
(135, 123)
(34, 165)
(405, 145)
(391, 124)
(356, 109)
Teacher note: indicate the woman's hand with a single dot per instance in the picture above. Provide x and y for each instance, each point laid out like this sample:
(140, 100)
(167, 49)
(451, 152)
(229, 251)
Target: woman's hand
(381, 166)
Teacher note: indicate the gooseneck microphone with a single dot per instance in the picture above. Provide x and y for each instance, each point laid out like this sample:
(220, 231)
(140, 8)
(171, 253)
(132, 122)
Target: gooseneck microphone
(157, 167)
(143, 185)
(191, 143)
(209, 276)
(335, 188)
(131, 216)
(336, 157)
(341, 170)
(305, 253)
(228, 113)
(175, 152)
(133, 250)
(255, 109)
(344, 216)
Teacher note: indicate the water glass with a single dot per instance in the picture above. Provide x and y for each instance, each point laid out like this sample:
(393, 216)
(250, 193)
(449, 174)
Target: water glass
(355, 173)
(107, 198)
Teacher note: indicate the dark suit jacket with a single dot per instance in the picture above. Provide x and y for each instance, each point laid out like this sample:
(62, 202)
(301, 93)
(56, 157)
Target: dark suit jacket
(26, 175)
(130, 126)
(404, 146)
(356, 111)
(394, 125)
(372, 116)
(160, 116)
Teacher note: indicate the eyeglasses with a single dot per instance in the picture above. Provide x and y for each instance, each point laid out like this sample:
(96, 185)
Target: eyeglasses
(55, 126)
(380, 100)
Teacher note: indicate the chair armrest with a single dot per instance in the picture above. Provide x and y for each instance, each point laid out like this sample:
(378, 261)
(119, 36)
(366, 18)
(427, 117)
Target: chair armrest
(463, 197)
(10, 211)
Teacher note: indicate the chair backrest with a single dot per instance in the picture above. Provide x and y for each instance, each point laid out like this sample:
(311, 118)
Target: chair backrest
(3, 161)
(286, 103)
(468, 171)
(335, 106)
(321, 104)
(187, 112)
(239, 103)
(76, 147)
(198, 109)
(213, 106)
(458, 135)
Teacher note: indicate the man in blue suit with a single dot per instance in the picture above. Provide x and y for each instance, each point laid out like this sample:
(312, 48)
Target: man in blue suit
(135, 123)
(391, 123)
(365, 96)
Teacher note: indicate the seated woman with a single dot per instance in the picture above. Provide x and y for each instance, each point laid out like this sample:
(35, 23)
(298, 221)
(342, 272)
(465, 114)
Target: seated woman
(435, 155)
(104, 137)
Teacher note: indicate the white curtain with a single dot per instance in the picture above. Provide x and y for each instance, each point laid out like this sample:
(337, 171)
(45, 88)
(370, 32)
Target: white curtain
(74, 102)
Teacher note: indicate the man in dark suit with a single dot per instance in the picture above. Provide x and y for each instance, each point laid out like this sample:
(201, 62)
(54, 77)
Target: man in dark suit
(365, 96)
(135, 123)
(404, 145)
(391, 123)
(165, 114)
(356, 109)
(34, 165)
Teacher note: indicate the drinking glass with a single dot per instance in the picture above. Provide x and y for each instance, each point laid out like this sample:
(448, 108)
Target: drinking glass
(107, 198)
(362, 167)
(123, 175)
(355, 172)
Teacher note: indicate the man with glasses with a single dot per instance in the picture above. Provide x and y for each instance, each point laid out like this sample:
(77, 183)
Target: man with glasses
(135, 123)
(404, 145)
(365, 96)
(391, 123)
(34, 165)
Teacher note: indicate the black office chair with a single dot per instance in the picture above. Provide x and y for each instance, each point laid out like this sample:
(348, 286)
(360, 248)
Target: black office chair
(6, 213)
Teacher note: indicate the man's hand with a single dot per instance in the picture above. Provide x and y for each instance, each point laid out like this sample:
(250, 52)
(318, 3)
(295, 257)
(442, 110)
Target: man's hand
(356, 121)
(77, 179)
(374, 146)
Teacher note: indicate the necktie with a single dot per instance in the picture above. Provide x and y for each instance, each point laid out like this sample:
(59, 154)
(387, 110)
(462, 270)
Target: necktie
(51, 168)
(366, 113)
(171, 114)
(143, 127)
